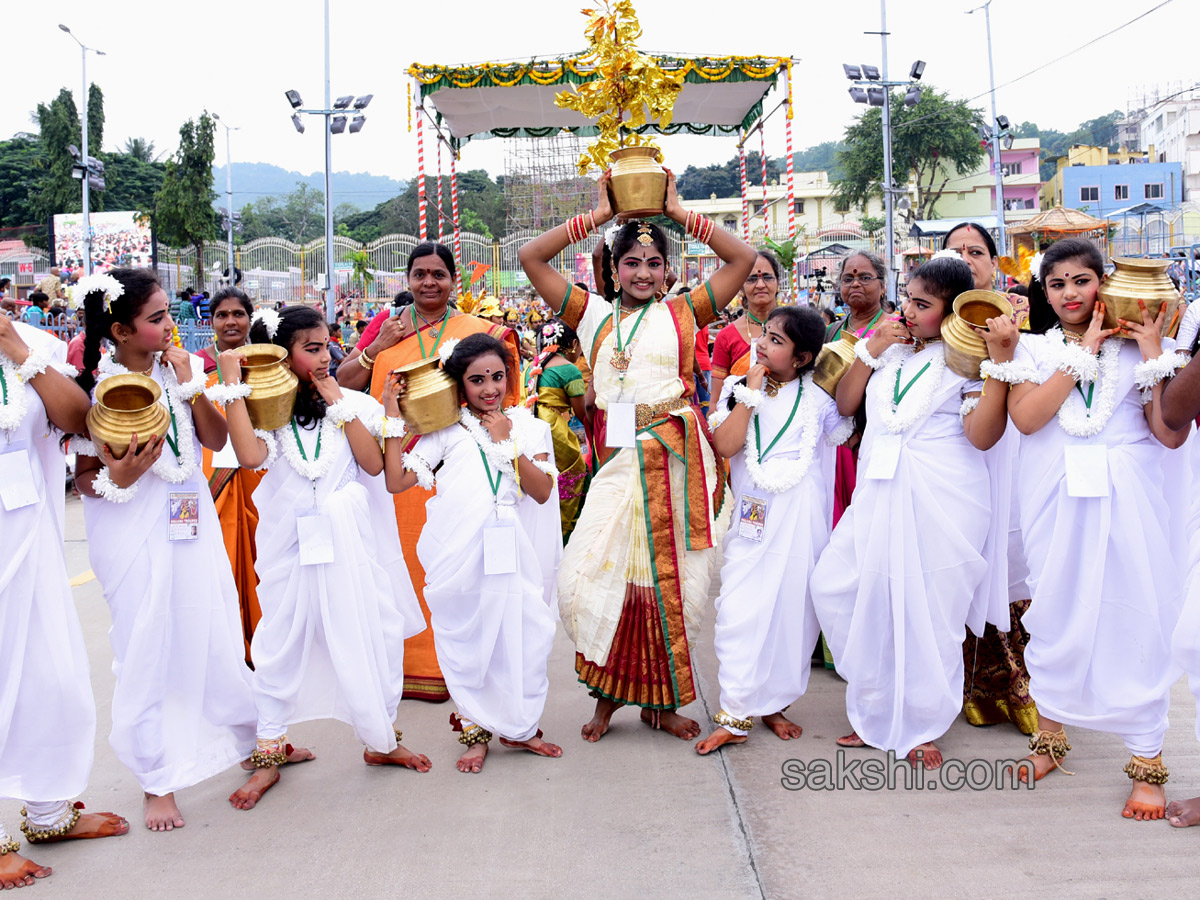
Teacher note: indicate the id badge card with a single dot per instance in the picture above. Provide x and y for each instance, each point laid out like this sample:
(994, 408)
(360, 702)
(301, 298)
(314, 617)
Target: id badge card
(1087, 470)
(314, 530)
(184, 522)
(621, 423)
(17, 487)
(885, 457)
(752, 518)
(225, 458)
(500, 545)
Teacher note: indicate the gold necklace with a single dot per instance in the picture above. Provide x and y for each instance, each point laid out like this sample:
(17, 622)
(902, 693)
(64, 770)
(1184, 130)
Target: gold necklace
(1073, 337)
(772, 386)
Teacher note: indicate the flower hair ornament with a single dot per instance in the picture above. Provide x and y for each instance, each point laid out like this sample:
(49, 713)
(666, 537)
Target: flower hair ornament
(946, 254)
(446, 350)
(270, 320)
(552, 332)
(112, 288)
(610, 236)
(1035, 266)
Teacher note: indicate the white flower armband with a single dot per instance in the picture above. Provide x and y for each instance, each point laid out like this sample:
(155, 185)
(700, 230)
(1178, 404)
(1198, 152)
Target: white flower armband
(840, 434)
(105, 487)
(392, 427)
(35, 364)
(968, 406)
(81, 446)
(190, 389)
(1078, 363)
(545, 466)
(748, 397)
(223, 394)
(1154, 371)
(340, 413)
(1011, 372)
(861, 353)
(272, 449)
(421, 469)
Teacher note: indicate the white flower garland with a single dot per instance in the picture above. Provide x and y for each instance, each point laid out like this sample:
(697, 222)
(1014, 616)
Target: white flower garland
(917, 404)
(167, 467)
(500, 454)
(968, 406)
(223, 394)
(13, 410)
(748, 397)
(312, 469)
(1073, 415)
(779, 474)
(113, 289)
(270, 320)
(272, 449)
(1011, 372)
(420, 468)
(107, 488)
(1150, 372)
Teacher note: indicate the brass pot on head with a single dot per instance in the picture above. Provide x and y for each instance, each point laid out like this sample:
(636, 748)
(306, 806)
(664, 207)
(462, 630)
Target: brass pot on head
(964, 347)
(639, 184)
(1134, 280)
(127, 405)
(273, 386)
(430, 401)
(834, 361)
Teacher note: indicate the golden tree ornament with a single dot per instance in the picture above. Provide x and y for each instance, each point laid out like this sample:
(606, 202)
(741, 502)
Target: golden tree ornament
(631, 90)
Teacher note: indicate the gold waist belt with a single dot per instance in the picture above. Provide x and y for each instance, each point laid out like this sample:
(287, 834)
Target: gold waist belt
(649, 413)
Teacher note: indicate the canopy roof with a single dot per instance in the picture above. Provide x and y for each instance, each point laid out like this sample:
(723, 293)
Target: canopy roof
(1141, 209)
(1059, 220)
(721, 95)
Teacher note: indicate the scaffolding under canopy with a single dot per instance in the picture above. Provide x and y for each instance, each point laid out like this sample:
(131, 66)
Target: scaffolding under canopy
(542, 184)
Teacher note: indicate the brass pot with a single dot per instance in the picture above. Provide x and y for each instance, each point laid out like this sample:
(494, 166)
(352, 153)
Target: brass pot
(964, 347)
(272, 386)
(127, 405)
(834, 361)
(639, 184)
(430, 401)
(1134, 280)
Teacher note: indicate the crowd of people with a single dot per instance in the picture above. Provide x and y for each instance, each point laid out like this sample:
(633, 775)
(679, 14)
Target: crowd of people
(1013, 546)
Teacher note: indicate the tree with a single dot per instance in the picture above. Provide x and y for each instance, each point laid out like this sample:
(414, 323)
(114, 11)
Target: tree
(130, 182)
(725, 180)
(58, 128)
(95, 124)
(22, 164)
(139, 148)
(872, 224)
(933, 140)
(360, 271)
(184, 214)
(298, 216)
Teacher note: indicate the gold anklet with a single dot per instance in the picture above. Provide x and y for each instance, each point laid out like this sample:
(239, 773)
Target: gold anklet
(724, 718)
(474, 735)
(9, 846)
(399, 735)
(1151, 771)
(1053, 744)
(65, 823)
(269, 753)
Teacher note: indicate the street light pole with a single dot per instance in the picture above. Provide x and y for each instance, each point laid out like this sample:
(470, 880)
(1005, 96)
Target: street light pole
(1001, 237)
(330, 305)
(888, 196)
(229, 197)
(87, 221)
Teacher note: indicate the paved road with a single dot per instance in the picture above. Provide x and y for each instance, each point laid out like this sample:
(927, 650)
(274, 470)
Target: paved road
(637, 815)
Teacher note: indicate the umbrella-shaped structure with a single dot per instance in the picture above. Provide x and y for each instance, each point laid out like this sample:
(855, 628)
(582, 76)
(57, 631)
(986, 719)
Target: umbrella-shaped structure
(721, 95)
(1057, 223)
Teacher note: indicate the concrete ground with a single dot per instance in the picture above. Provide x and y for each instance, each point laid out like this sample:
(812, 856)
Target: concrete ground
(637, 815)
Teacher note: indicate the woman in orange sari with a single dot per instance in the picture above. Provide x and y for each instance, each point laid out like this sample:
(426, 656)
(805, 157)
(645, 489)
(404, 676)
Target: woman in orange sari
(232, 488)
(733, 348)
(415, 332)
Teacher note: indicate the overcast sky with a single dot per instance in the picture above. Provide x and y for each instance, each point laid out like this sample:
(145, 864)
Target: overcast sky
(166, 63)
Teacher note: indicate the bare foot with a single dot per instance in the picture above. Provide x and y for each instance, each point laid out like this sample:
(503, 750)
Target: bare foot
(248, 795)
(850, 740)
(930, 756)
(719, 738)
(16, 871)
(161, 812)
(535, 745)
(93, 825)
(1146, 802)
(1043, 765)
(398, 757)
(672, 722)
(598, 726)
(472, 760)
(294, 755)
(785, 729)
(1182, 813)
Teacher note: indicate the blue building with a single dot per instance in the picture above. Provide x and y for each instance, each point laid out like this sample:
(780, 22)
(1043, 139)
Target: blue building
(1102, 190)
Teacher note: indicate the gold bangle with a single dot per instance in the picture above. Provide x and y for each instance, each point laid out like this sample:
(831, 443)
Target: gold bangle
(365, 361)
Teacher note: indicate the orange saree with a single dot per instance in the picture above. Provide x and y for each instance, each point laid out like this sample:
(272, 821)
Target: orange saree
(422, 676)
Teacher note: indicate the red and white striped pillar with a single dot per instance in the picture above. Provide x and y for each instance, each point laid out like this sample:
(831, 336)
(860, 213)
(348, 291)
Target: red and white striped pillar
(745, 193)
(439, 189)
(791, 176)
(424, 230)
(454, 214)
(762, 144)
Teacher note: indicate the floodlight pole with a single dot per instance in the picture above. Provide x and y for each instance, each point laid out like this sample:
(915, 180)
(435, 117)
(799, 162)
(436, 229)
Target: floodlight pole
(87, 220)
(1001, 237)
(330, 300)
(229, 197)
(889, 200)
